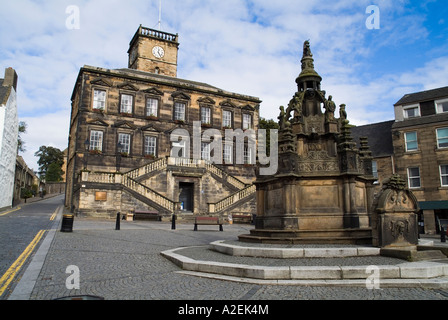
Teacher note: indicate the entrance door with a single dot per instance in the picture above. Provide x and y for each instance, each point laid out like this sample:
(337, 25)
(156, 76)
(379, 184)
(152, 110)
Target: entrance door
(186, 196)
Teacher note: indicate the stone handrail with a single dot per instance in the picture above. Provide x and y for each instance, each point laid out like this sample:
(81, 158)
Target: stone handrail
(101, 177)
(149, 194)
(147, 168)
(223, 175)
(230, 200)
(188, 163)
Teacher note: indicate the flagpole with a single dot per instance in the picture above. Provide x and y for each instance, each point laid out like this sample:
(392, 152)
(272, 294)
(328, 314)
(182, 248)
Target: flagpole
(160, 13)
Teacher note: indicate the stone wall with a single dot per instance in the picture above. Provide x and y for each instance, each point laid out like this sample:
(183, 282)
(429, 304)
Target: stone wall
(9, 125)
(427, 158)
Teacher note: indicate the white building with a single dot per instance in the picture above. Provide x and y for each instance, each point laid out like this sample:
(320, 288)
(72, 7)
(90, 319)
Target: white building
(9, 130)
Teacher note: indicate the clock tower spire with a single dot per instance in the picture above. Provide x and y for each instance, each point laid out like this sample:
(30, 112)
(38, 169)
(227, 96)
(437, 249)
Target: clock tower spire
(154, 51)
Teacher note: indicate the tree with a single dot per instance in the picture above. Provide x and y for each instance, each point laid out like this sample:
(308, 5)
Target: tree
(268, 124)
(25, 193)
(47, 156)
(54, 173)
(20, 142)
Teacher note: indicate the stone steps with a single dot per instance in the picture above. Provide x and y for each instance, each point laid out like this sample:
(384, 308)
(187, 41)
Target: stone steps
(426, 274)
(414, 254)
(324, 236)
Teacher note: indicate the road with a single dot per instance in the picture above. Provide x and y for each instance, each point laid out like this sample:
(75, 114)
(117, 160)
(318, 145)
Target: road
(21, 231)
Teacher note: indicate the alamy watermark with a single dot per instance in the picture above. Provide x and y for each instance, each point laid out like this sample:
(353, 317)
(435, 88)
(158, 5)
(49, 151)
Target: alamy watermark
(212, 146)
(373, 21)
(72, 281)
(373, 280)
(73, 20)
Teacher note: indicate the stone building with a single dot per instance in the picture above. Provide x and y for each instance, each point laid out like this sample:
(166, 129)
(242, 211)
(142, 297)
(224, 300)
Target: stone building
(420, 140)
(415, 146)
(25, 178)
(9, 130)
(136, 132)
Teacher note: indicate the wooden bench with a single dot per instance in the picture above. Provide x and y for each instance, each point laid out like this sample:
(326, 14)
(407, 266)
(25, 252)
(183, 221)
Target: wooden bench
(241, 218)
(207, 221)
(147, 215)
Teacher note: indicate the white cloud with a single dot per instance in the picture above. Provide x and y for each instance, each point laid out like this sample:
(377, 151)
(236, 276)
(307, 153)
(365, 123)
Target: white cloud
(249, 47)
(46, 130)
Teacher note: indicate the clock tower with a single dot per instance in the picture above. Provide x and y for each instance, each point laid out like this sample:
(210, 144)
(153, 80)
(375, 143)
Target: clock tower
(154, 51)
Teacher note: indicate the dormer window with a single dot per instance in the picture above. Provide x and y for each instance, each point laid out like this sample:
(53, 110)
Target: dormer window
(411, 111)
(442, 106)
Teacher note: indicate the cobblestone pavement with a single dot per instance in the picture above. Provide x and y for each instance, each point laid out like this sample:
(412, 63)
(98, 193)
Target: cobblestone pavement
(126, 265)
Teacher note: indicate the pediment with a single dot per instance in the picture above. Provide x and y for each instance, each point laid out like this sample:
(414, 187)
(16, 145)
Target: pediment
(98, 122)
(180, 95)
(127, 86)
(248, 107)
(228, 104)
(124, 125)
(154, 91)
(102, 82)
(150, 128)
(206, 100)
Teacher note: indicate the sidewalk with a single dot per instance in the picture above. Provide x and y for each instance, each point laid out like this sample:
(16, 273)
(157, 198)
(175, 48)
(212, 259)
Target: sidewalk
(95, 260)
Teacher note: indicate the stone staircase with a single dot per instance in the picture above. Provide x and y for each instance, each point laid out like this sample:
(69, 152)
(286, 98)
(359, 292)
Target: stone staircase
(131, 181)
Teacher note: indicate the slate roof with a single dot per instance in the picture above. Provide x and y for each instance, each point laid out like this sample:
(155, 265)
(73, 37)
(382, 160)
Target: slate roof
(379, 137)
(428, 95)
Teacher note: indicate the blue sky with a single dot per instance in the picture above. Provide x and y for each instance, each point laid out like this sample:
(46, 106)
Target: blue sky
(251, 47)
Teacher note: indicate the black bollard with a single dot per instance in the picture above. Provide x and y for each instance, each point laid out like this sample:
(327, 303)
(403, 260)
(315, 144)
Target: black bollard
(173, 222)
(117, 223)
(442, 235)
(67, 223)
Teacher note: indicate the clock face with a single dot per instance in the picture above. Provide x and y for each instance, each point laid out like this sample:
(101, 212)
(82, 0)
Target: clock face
(158, 52)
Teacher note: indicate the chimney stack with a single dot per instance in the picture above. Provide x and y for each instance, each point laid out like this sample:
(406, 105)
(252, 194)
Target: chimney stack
(10, 78)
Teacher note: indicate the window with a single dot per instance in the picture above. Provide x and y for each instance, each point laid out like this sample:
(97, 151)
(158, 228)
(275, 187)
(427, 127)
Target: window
(99, 99)
(227, 119)
(247, 155)
(228, 153)
(152, 107)
(442, 138)
(414, 177)
(179, 111)
(411, 141)
(411, 112)
(205, 115)
(126, 103)
(150, 146)
(247, 121)
(124, 140)
(442, 106)
(205, 151)
(96, 140)
(375, 170)
(444, 175)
